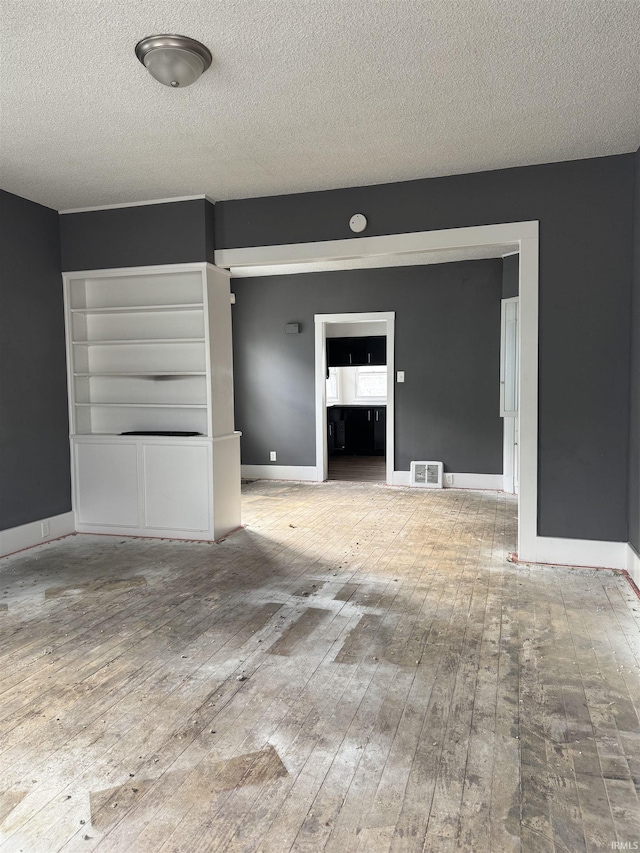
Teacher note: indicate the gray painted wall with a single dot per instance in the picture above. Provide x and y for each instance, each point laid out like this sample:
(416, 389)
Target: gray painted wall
(34, 431)
(510, 276)
(447, 342)
(585, 212)
(634, 421)
(172, 233)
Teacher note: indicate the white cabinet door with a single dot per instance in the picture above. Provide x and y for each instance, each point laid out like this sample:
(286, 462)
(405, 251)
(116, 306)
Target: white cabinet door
(106, 484)
(176, 487)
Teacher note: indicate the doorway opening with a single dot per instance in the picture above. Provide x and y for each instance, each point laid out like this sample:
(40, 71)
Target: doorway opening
(356, 401)
(354, 396)
(462, 243)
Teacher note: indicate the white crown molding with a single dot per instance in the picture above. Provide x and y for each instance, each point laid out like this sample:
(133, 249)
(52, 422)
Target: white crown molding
(116, 272)
(135, 204)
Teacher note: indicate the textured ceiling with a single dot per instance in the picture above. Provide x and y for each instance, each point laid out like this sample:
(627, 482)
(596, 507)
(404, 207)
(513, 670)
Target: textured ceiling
(308, 94)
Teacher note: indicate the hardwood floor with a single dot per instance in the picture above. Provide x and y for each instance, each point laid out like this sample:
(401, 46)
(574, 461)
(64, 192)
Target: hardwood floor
(358, 469)
(360, 669)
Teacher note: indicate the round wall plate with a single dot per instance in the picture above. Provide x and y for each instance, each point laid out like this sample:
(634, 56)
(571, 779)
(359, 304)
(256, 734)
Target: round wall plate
(358, 222)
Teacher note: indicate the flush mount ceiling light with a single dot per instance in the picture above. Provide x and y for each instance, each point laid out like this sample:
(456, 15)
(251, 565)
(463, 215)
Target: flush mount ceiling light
(173, 60)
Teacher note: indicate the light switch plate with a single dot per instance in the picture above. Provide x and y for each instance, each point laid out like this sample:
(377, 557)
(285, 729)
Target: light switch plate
(400, 376)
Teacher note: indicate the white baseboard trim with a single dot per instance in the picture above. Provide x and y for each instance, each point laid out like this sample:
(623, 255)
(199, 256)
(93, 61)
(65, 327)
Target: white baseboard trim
(476, 481)
(460, 481)
(633, 564)
(27, 535)
(279, 472)
(576, 552)
(550, 550)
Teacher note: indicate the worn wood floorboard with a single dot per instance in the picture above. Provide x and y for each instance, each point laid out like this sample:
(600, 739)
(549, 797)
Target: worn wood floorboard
(360, 669)
(360, 469)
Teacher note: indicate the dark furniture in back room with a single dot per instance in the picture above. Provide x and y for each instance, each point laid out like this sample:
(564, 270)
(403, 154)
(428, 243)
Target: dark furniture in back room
(356, 430)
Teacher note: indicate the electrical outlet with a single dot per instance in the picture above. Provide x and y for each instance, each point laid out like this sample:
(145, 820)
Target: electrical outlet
(448, 479)
(44, 529)
(272, 456)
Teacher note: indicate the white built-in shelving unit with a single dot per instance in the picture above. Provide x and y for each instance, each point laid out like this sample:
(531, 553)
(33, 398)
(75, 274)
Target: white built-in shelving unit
(149, 351)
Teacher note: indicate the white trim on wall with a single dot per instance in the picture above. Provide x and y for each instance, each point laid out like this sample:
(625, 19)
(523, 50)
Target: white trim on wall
(589, 553)
(387, 244)
(118, 272)
(279, 472)
(633, 564)
(492, 482)
(308, 473)
(135, 204)
(321, 323)
(508, 454)
(509, 419)
(528, 390)
(27, 535)
(474, 481)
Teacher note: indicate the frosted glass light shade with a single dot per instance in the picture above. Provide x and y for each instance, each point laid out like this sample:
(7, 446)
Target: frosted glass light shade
(173, 60)
(174, 67)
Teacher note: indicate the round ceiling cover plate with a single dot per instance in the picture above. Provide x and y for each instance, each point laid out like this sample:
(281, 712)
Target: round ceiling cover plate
(358, 222)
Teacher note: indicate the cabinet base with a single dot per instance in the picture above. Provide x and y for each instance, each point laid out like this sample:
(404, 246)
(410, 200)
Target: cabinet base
(181, 535)
(157, 487)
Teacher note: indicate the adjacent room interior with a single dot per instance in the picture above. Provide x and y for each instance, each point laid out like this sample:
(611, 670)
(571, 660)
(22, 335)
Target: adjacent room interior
(356, 401)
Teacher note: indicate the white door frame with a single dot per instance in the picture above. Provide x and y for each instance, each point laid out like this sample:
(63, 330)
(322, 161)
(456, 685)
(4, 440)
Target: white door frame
(321, 321)
(523, 236)
(509, 418)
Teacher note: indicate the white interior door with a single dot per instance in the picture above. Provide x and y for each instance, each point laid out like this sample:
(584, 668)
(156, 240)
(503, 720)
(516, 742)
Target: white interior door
(516, 445)
(509, 392)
